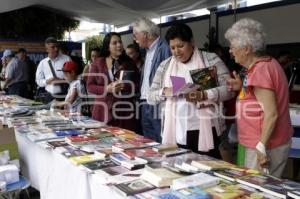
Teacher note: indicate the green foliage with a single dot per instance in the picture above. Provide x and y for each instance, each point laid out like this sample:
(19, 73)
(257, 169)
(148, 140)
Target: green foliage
(93, 42)
(35, 23)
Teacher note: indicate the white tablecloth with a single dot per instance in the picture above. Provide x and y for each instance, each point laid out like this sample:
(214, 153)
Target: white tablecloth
(55, 176)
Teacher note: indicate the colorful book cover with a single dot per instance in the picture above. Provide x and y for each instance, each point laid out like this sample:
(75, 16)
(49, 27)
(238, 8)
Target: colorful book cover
(80, 138)
(70, 132)
(57, 143)
(232, 174)
(206, 78)
(141, 153)
(77, 160)
(226, 190)
(257, 180)
(187, 193)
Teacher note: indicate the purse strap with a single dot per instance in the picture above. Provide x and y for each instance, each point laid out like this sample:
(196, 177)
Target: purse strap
(52, 69)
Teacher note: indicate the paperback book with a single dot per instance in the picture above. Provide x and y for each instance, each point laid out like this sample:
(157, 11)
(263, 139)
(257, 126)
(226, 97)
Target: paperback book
(206, 78)
(133, 187)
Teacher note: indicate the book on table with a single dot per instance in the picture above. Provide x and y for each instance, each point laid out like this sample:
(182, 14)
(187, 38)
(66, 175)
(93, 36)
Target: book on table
(226, 190)
(201, 180)
(128, 163)
(211, 164)
(165, 147)
(70, 151)
(133, 187)
(77, 160)
(141, 153)
(186, 193)
(57, 143)
(160, 177)
(100, 164)
(257, 180)
(234, 173)
(117, 175)
(154, 193)
(280, 188)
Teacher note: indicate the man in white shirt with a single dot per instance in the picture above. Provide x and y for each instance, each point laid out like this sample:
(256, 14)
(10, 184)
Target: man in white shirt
(146, 34)
(48, 74)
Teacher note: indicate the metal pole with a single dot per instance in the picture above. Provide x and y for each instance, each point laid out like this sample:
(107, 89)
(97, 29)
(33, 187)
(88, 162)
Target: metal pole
(234, 11)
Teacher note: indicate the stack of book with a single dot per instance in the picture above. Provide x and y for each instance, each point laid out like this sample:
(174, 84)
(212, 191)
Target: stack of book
(160, 177)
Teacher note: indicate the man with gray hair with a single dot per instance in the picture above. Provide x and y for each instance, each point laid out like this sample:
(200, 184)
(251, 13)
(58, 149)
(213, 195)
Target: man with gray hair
(16, 75)
(49, 75)
(146, 34)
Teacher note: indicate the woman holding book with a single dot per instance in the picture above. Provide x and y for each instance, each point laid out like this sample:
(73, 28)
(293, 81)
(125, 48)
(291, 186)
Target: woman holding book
(104, 81)
(264, 125)
(192, 120)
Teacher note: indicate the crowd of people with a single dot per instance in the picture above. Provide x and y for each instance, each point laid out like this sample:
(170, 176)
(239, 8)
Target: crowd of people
(145, 102)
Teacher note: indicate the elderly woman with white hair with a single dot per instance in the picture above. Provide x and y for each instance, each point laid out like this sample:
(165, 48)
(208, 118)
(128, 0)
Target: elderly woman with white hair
(264, 125)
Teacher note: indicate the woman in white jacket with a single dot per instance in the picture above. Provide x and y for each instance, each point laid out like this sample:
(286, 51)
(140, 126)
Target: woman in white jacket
(194, 120)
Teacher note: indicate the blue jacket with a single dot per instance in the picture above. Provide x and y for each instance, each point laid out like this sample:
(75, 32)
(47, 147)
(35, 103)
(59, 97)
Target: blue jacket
(162, 52)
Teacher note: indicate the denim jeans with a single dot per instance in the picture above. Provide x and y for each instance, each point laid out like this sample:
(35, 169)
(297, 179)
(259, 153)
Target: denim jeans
(150, 121)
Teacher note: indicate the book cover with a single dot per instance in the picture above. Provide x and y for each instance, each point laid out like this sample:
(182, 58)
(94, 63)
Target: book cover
(280, 188)
(69, 151)
(232, 174)
(57, 143)
(212, 164)
(105, 152)
(80, 138)
(126, 75)
(226, 190)
(112, 171)
(64, 133)
(206, 78)
(141, 153)
(77, 160)
(186, 193)
(160, 177)
(164, 147)
(133, 187)
(257, 180)
(152, 193)
(100, 164)
(201, 180)
(180, 87)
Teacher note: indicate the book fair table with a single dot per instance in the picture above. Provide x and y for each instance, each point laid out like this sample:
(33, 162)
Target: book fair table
(55, 176)
(74, 157)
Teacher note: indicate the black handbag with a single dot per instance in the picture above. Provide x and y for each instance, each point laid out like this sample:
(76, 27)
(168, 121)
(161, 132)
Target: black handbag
(86, 107)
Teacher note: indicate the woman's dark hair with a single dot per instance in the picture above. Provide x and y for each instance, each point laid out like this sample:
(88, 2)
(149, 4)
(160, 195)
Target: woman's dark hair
(98, 50)
(136, 47)
(105, 46)
(180, 31)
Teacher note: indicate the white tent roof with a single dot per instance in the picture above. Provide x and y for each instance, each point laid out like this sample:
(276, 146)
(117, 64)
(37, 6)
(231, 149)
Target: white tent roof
(116, 12)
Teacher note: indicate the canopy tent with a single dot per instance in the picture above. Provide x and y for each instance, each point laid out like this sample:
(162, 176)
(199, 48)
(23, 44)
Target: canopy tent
(115, 12)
